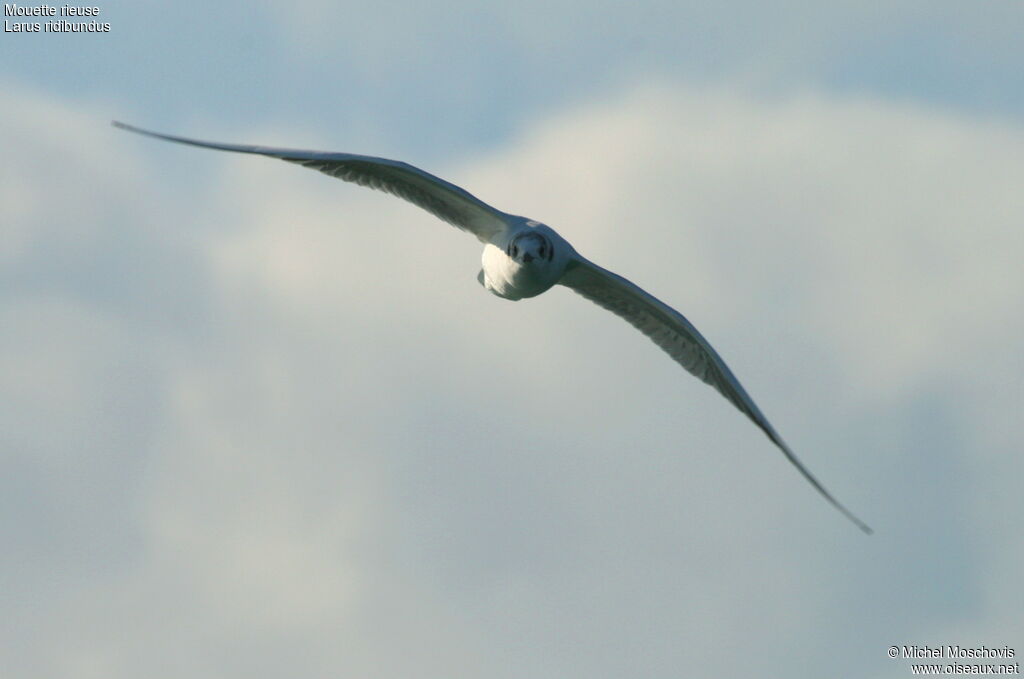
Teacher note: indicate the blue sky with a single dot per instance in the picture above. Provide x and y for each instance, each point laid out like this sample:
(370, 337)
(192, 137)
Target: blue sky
(260, 422)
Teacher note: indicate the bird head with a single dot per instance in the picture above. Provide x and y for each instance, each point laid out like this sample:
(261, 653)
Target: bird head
(530, 248)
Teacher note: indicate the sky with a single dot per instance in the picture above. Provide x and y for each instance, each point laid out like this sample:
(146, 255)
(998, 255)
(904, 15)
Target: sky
(259, 422)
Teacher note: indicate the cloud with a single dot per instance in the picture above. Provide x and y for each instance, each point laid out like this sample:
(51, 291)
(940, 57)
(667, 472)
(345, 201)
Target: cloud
(529, 54)
(277, 427)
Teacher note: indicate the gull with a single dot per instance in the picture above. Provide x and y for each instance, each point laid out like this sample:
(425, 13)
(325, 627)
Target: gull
(523, 258)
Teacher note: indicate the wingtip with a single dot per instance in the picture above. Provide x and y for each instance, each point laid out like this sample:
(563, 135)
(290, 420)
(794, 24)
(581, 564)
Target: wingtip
(791, 456)
(866, 529)
(125, 126)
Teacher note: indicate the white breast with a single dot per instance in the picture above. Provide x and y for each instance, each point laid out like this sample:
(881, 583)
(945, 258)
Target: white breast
(510, 279)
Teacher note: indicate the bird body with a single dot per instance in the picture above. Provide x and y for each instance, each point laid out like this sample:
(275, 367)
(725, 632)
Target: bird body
(525, 261)
(523, 258)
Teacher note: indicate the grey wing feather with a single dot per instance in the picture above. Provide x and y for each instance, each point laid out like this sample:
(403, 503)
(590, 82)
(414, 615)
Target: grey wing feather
(438, 197)
(670, 330)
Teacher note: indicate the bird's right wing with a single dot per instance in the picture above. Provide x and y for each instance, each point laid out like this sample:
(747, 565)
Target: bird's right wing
(670, 330)
(438, 197)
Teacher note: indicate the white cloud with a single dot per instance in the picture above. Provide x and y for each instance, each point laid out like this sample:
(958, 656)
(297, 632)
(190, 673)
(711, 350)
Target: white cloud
(344, 456)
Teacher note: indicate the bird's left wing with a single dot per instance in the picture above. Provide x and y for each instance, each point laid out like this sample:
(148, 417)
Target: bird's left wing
(438, 197)
(670, 330)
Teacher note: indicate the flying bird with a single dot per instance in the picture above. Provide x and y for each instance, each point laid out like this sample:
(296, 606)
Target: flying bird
(523, 258)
